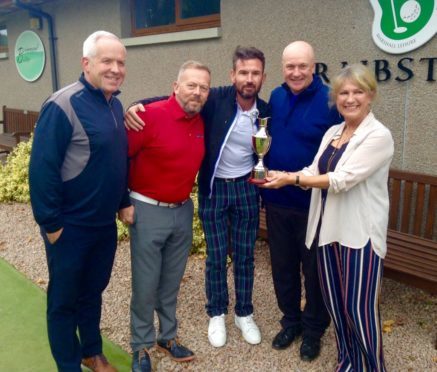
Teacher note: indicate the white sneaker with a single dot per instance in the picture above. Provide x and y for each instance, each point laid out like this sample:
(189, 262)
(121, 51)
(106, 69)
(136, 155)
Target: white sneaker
(217, 331)
(248, 328)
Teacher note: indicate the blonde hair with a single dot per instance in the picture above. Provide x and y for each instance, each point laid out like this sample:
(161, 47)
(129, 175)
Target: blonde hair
(357, 74)
(192, 65)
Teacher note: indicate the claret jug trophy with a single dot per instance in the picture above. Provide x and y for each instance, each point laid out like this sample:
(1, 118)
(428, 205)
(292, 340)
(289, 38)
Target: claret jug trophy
(261, 142)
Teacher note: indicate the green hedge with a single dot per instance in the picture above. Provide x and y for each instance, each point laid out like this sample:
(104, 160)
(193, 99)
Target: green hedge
(14, 187)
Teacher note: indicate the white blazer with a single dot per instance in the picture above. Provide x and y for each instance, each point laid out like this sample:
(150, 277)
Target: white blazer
(357, 203)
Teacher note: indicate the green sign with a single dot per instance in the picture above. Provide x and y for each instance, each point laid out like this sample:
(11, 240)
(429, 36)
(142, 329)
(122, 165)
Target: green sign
(401, 26)
(29, 56)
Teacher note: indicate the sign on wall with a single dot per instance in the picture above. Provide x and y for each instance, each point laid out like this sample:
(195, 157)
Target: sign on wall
(29, 56)
(401, 26)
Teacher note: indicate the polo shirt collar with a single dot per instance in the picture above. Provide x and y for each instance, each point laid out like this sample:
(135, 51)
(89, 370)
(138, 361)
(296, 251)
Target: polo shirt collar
(177, 111)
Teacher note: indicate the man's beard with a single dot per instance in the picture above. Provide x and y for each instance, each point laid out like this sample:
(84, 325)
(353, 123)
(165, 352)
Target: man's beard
(248, 95)
(190, 108)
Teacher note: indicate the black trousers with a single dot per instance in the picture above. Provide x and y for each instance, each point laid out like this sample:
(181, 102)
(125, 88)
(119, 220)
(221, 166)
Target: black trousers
(287, 231)
(79, 264)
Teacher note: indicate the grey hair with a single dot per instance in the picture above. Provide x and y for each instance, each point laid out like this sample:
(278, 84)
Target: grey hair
(89, 45)
(194, 65)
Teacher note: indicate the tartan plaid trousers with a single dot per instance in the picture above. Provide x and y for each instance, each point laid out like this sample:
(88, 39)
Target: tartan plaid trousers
(230, 217)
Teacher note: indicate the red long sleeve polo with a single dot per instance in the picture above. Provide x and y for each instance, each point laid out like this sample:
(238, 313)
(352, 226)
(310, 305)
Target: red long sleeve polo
(166, 155)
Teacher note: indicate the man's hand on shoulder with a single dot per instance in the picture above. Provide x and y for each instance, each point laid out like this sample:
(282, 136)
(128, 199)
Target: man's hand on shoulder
(131, 118)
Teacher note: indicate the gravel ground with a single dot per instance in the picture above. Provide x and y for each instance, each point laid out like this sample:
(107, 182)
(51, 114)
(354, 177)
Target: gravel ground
(410, 314)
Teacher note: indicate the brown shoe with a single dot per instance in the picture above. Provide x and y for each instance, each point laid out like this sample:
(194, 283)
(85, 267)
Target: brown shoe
(98, 363)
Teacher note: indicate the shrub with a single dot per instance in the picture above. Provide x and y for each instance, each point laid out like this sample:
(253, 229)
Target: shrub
(14, 175)
(199, 245)
(122, 231)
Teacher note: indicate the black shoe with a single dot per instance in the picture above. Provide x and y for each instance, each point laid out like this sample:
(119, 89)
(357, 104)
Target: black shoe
(285, 337)
(310, 349)
(175, 350)
(141, 361)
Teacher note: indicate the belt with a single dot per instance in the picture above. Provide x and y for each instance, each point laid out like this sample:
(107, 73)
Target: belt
(241, 178)
(146, 199)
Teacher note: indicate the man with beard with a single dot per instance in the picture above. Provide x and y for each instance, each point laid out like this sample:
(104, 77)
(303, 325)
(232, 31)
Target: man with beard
(228, 204)
(164, 160)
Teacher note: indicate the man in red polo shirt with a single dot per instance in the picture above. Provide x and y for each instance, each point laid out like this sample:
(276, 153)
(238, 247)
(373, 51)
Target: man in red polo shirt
(164, 160)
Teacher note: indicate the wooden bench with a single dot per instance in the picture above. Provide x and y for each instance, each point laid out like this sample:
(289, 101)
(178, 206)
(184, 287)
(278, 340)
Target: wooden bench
(412, 234)
(411, 237)
(17, 126)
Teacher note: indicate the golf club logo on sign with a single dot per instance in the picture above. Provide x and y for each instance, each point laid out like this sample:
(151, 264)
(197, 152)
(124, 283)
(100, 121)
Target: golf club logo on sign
(403, 25)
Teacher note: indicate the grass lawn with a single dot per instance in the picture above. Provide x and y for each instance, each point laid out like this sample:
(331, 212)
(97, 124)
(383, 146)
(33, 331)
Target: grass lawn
(24, 345)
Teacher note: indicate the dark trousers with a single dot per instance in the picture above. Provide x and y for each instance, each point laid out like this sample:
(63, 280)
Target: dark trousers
(287, 230)
(79, 264)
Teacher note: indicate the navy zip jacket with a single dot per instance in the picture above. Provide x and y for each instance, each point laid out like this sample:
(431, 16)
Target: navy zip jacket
(297, 126)
(78, 165)
(218, 115)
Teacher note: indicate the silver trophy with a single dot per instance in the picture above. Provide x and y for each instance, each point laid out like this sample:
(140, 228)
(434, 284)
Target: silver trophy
(261, 142)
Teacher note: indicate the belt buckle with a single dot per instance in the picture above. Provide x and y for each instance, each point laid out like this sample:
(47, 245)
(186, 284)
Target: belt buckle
(173, 205)
(229, 180)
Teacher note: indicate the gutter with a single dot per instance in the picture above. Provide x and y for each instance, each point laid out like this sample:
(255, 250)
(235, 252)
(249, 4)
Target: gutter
(52, 39)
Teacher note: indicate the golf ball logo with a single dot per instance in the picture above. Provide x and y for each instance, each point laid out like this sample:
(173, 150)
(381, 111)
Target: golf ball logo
(410, 11)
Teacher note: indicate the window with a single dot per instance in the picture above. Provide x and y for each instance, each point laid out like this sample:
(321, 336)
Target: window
(151, 17)
(3, 42)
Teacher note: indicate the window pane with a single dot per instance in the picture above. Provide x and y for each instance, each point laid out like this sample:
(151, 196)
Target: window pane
(151, 17)
(151, 13)
(199, 8)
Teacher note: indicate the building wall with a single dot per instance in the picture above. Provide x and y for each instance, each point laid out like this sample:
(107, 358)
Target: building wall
(339, 31)
(74, 21)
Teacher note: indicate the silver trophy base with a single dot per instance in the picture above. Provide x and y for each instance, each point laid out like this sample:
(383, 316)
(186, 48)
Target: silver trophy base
(258, 176)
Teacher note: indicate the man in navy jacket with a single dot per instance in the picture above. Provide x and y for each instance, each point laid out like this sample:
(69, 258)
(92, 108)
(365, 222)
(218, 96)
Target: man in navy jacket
(300, 117)
(78, 182)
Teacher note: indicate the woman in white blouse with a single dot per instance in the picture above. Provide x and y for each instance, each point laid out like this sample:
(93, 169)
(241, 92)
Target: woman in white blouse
(349, 214)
